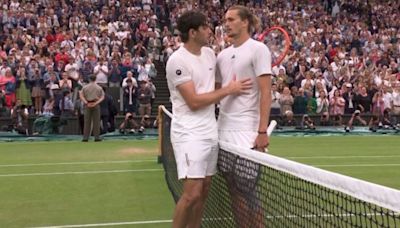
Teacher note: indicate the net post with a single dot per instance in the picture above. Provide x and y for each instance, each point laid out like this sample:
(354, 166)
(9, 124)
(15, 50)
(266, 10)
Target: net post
(160, 130)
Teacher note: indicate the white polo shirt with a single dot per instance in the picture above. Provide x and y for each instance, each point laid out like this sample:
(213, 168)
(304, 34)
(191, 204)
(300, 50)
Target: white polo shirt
(249, 60)
(183, 66)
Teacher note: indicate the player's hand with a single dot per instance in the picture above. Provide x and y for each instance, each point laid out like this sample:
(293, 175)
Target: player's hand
(240, 87)
(262, 142)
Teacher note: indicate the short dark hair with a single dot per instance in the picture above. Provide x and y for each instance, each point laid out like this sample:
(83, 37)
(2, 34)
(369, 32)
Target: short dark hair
(190, 20)
(92, 78)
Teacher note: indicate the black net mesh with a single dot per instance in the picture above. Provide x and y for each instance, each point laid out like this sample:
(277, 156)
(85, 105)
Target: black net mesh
(249, 194)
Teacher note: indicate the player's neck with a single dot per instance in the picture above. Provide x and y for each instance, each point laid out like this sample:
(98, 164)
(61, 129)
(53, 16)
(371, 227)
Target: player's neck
(192, 47)
(240, 39)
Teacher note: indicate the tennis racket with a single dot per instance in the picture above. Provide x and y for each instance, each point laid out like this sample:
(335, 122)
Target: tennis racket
(278, 41)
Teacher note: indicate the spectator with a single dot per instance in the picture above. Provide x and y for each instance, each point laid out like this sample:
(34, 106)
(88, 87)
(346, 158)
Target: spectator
(23, 92)
(107, 113)
(101, 73)
(275, 105)
(115, 76)
(130, 97)
(37, 85)
(48, 107)
(286, 100)
(66, 105)
(3, 107)
(337, 104)
(129, 125)
(19, 116)
(300, 102)
(288, 119)
(144, 98)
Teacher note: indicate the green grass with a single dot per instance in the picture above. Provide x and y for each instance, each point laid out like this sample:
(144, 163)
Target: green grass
(44, 200)
(38, 197)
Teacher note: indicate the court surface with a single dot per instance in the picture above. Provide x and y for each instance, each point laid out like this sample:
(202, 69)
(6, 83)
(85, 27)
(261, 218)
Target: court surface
(119, 183)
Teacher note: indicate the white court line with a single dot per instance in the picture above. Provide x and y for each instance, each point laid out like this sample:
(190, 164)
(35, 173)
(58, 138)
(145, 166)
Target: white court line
(83, 172)
(108, 224)
(357, 165)
(354, 156)
(77, 163)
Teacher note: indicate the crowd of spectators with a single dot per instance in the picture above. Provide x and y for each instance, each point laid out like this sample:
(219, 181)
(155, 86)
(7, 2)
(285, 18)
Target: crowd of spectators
(344, 57)
(49, 49)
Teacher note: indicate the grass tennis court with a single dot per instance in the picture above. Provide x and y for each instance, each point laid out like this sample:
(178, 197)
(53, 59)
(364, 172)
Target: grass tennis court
(120, 182)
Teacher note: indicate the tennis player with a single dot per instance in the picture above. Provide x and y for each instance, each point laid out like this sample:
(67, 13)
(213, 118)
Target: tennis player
(194, 135)
(243, 119)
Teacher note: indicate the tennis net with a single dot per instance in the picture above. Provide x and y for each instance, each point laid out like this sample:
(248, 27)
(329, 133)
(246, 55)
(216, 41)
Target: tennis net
(255, 189)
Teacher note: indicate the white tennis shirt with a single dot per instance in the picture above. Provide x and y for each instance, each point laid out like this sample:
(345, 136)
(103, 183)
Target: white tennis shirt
(249, 60)
(183, 66)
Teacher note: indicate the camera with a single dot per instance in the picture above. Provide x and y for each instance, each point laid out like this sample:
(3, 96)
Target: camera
(357, 112)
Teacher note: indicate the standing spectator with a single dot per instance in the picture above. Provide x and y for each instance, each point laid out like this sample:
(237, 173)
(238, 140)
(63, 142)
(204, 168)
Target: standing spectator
(275, 105)
(37, 85)
(66, 105)
(23, 92)
(286, 100)
(115, 78)
(65, 83)
(8, 84)
(350, 99)
(107, 113)
(101, 73)
(364, 100)
(91, 95)
(300, 102)
(337, 104)
(396, 101)
(144, 98)
(130, 96)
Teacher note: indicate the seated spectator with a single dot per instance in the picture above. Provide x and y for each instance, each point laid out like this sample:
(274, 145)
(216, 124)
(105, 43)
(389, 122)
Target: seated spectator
(355, 116)
(19, 116)
(145, 122)
(307, 123)
(288, 119)
(48, 107)
(66, 105)
(129, 125)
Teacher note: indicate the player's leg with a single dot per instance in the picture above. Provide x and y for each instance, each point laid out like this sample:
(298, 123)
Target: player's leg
(198, 208)
(185, 208)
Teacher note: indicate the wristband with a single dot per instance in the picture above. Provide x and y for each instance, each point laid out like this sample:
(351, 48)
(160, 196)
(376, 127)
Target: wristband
(262, 132)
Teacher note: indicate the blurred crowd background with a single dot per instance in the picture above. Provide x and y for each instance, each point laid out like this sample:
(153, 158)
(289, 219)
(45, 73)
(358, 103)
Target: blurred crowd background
(344, 58)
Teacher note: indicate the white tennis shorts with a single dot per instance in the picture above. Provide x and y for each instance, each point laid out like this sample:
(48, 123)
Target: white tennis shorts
(196, 159)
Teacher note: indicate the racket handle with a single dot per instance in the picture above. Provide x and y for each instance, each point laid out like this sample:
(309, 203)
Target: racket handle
(271, 127)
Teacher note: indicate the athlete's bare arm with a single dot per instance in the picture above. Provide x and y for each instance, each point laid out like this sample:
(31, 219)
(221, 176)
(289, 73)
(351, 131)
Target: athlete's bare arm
(197, 101)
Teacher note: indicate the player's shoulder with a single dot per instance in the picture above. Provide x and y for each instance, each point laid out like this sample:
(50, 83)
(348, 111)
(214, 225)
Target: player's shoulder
(225, 52)
(208, 51)
(257, 44)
